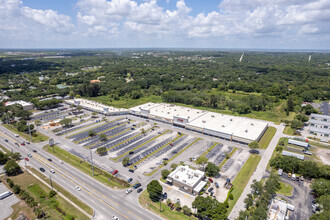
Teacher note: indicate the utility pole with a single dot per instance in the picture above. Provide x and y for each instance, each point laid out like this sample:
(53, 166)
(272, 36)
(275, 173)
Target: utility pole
(50, 181)
(29, 131)
(92, 162)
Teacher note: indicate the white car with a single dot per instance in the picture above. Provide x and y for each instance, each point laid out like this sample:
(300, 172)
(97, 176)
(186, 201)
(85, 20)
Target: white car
(60, 161)
(115, 218)
(52, 171)
(78, 188)
(129, 190)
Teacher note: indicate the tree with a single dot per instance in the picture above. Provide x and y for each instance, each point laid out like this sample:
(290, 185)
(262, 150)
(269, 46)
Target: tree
(103, 137)
(272, 183)
(290, 104)
(92, 133)
(143, 131)
(155, 190)
(296, 124)
(208, 207)
(211, 169)
(174, 166)
(248, 201)
(165, 173)
(320, 187)
(186, 210)
(101, 151)
(125, 161)
(15, 156)
(37, 122)
(66, 122)
(79, 108)
(3, 158)
(254, 145)
(201, 161)
(12, 168)
(94, 114)
(16, 189)
(51, 193)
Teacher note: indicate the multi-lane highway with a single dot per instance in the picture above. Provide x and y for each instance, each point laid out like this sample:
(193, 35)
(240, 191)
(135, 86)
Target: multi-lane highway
(105, 201)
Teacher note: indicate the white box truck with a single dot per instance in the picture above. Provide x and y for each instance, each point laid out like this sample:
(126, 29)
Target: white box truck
(5, 194)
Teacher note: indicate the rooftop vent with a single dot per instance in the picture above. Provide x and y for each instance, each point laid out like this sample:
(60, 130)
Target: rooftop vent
(222, 126)
(252, 124)
(204, 121)
(212, 116)
(168, 112)
(231, 119)
(246, 130)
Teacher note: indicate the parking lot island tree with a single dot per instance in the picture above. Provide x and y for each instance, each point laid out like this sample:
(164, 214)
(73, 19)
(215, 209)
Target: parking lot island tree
(103, 137)
(125, 161)
(155, 190)
(66, 122)
(211, 169)
(202, 161)
(92, 133)
(165, 173)
(254, 145)
(101, 151)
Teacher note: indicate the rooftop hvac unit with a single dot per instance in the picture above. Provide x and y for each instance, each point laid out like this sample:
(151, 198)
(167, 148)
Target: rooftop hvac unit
(222, 126)
(197, 112)
(184, 181)
(204, 121)
(252, 124)
(188, 110)
(246, 130)
(168, 112)
(175, 110)
(212, 116)
(176, 177)
(231, 119)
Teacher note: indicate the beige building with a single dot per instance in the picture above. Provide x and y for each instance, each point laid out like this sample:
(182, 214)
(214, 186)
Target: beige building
(187, 179)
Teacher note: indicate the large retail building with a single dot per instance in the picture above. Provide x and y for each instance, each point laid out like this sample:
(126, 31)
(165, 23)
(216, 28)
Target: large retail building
(233, 128)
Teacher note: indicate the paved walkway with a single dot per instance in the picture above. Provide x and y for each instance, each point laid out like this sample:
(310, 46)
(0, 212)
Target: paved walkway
(259, 172)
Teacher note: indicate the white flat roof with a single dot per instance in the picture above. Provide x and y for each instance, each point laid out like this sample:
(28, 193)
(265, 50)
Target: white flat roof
(200, 186)
(169, 111)
(186, 175)
(277, 209)
(96, 105)
(20, 102)
(145, 106)
(238, 126)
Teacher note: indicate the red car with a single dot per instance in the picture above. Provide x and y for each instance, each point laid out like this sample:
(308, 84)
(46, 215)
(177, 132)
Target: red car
(23, 144)
(211, 180)
(114, 172)
(27, 159)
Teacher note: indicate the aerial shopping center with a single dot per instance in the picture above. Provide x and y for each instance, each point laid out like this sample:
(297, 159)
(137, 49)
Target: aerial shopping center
(228, 127)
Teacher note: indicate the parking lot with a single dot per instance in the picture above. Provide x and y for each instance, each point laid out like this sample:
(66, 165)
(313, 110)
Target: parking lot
(6, 203)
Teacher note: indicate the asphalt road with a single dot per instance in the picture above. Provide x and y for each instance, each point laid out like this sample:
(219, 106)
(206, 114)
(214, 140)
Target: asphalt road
(105, 201)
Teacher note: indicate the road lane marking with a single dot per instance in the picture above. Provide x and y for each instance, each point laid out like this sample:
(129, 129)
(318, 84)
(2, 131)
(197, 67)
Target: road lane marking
(43, 160)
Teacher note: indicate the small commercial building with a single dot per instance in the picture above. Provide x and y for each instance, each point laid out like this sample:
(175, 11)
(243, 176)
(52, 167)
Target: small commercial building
(319, 125)
(97, 107)
(278, 210)
(187, 179)
(290, 154)
(24, 104)
(232, 128)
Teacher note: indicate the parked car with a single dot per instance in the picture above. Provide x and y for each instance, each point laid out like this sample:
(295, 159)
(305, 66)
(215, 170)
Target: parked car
(130, 170)
(131, 152)
(27, 142)
(78, 188)
(29, 155)
(301, 178)
(139, 190)
(137, 185)
(23, 144)
(49, 159)
(129, 190)
(289, 175)
(293, 177)
(6, 140)
(216, 184)
(52, 171)
(165, 195)
(211, 180)
(42, 169)
(165, 158)
(27, 159)
(280, 172)
(114, 172)
(35, 151)
(210, 189)
(115, 218)
(60, 161)
(130, 180)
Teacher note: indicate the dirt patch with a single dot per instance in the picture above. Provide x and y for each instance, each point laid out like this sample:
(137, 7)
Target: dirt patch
(324, 155)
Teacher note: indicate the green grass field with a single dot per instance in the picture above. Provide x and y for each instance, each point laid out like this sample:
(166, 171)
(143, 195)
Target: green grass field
(286, 189)
(243, 178)
(165, 212)
(267, 137)
(56, 207)
(37, 137)
(86, 167)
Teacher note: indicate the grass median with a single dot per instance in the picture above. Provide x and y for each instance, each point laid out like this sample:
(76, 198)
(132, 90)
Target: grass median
(55, 207)
(267, 137)
(37, 137)
(243, 178)
(68, 195)
(99, 174)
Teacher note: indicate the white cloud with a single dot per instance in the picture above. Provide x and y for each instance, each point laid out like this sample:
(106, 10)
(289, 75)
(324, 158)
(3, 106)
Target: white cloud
(127, 20)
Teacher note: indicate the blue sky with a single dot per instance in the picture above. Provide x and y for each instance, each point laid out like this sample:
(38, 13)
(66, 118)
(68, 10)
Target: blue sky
(265, 24)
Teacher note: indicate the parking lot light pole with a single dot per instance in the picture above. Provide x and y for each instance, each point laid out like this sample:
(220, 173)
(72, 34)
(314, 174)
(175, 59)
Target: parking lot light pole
(92, 162)
(29, 131)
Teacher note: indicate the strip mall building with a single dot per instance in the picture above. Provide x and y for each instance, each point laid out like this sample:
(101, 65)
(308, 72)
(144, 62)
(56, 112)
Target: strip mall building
(232, 128)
